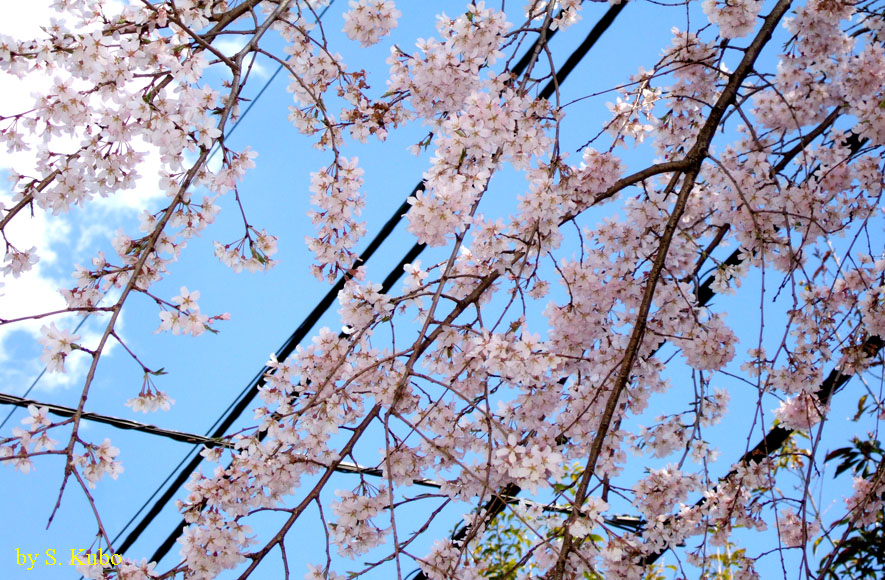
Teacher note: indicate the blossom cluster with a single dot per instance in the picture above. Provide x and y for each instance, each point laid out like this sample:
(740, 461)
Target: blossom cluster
(185, 316)
(735, 18)
(97, 461)
(337, 197)
(368, 21)
(57, 345)
(354, 531)
(17, 448)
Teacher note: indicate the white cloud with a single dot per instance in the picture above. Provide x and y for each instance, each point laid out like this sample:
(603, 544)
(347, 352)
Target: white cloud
(24, 19)
(147, 190)
(36, 291)
(230, 46)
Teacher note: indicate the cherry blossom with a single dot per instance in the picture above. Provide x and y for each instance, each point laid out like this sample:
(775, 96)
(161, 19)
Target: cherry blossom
(57, 345)
(151, 401)
(592, 332)
(734, 18)
(368, 21)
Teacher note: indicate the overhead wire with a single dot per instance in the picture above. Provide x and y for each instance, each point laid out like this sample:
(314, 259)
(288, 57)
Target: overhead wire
(773, 440)
(42, 372)
(347, 467)
(236, 408)
(394, 274)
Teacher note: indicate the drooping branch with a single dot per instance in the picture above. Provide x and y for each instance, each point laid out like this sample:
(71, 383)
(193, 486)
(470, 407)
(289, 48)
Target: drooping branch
(695, 157)
(778, 435)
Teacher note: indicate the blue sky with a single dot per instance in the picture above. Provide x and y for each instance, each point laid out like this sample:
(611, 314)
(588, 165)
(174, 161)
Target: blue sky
(207, 373)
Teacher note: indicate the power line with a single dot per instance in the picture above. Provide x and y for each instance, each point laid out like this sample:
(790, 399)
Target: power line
(43, 372)
(347, 467)
(343, 466)
(252, 390)
(118, 422)
(392, 277)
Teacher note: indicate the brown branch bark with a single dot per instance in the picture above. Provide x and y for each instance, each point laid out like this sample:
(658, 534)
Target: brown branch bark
(695, 157)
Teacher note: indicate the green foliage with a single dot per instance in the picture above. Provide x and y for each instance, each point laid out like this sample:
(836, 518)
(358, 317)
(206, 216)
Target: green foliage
(503, 546)
(504, 549)
(861, 457)
(861, 555)
(862, 552)
(724, 565)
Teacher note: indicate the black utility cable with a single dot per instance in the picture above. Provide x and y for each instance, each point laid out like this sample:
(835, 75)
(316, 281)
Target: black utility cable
(595, 33)
(777, 436)
(258, 380)
(251, 391)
